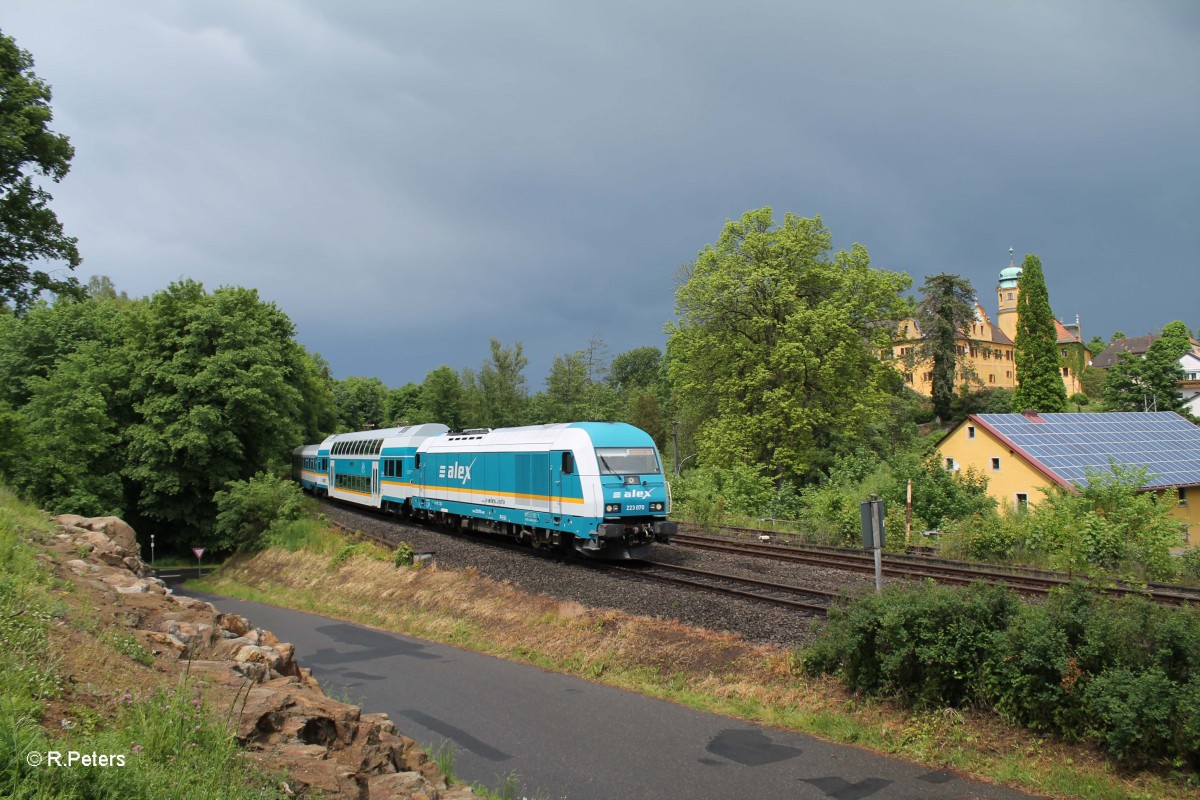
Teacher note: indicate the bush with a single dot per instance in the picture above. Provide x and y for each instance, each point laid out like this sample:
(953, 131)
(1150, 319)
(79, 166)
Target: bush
(1123, 673)
(1131, 713)
(709, 495)
(246, 510)
(1107, 523)
(403, 555)
(924, 645)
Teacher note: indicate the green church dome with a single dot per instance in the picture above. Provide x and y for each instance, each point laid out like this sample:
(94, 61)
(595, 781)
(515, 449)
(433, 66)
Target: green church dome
(1009, 276)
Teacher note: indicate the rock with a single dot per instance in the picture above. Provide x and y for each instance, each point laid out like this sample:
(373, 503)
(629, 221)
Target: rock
(115, 528)
(303, 751)
(327, 748)
(234, 623)
(398, 784)
(166, 640)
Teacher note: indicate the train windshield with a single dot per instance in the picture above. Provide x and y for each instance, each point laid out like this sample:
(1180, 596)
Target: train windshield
(627, 460)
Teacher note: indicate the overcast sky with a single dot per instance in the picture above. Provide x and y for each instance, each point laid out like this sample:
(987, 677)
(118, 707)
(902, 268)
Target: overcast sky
(407, 180)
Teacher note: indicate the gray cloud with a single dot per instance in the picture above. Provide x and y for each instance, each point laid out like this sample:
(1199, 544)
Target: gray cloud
(407, 181)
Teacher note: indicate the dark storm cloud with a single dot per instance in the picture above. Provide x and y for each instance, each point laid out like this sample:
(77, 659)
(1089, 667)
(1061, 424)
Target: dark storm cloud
(408, 181)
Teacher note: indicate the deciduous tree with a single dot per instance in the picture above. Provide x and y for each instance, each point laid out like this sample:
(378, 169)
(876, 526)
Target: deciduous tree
(1039, 367)
(502, 381)
(442, 398)
(216, 396)
(30, 232)
(774, 355)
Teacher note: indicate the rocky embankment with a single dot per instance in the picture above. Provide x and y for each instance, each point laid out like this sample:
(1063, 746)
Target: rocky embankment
(286, 722)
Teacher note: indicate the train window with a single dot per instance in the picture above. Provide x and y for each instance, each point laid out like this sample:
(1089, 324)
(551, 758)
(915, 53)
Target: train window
(417, 461)
(568, 464)
(627, 461)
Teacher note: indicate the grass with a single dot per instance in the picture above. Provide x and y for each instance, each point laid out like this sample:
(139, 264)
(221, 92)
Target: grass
(170, 742)
(700, 669)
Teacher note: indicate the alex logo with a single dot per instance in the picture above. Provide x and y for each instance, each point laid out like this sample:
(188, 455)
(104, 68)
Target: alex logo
(633, 494)
(456, 472)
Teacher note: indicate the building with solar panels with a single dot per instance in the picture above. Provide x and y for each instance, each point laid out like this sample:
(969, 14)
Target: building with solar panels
(1023, 453)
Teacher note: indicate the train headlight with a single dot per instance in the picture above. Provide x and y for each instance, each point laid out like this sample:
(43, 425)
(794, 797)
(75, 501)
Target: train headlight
(656, 506)
(612, 508)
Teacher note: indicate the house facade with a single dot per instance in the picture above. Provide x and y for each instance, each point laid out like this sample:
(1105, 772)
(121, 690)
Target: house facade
(986, 351)
(1022, 454)
(1189, 387)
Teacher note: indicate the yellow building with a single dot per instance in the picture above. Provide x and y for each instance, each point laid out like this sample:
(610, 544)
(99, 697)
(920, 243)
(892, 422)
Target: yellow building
(986, 352)
(1023, 453)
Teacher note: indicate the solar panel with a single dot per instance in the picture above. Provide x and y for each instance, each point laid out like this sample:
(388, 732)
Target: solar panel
(1163, 442)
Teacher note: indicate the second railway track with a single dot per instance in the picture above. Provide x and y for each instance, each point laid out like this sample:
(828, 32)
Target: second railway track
(1029, 581)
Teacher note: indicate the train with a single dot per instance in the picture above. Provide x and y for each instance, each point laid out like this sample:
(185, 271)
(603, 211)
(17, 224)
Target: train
(595, 489)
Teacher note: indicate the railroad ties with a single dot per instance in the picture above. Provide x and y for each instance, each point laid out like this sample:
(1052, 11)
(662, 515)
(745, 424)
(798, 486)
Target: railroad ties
(813, 601)
(1026, 580)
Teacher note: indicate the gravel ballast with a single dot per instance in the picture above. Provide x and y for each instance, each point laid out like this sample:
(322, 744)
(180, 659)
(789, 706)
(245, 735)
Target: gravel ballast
(577, 581)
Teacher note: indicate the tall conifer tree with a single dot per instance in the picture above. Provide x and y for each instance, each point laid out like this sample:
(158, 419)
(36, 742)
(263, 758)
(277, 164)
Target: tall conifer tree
(1039, 369)
(945, 315)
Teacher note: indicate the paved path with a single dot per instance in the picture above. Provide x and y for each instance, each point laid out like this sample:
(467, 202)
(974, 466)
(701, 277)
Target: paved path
(568, 738)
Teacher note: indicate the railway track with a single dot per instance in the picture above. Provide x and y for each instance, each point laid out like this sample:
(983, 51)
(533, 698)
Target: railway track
(809, 600)
(812, 601)
(913, 566)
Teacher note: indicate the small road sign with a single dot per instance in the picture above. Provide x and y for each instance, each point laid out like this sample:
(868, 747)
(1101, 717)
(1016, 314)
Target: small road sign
(199, 551)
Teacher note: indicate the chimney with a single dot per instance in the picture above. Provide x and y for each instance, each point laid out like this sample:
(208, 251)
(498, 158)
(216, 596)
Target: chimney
(1032, 416)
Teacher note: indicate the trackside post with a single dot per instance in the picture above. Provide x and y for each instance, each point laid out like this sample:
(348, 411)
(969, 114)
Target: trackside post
(872, 512)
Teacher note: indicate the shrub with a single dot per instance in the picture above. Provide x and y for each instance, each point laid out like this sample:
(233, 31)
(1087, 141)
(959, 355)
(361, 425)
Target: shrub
(247, 509)
(403, 555)
(923, 644)
(1131, 713)
(1124, 673)
(708, 494)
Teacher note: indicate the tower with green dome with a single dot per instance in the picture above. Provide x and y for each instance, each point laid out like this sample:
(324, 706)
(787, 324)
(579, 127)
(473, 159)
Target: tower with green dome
(1006, 298)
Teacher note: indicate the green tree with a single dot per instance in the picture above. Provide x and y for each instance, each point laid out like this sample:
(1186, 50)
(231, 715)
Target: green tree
(29, 230)
(639, 368)
(217, 391)
(247, 509)
(1096, 345)
(945, 314)
(361, 403)
(1150, 383)
(101, 287)
(442, 398)
(33, 345)
(1124, 384)
(1162, 370)
(502, 382)
(403, 405)
(73, 426)
(1039, 370)
(774, 356)
(567, 388)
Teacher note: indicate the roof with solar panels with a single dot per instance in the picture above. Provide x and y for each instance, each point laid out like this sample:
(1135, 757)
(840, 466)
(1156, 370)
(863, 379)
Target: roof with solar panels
(1065, 447)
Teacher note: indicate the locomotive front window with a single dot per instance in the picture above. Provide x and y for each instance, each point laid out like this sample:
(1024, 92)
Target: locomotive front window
(627, 461)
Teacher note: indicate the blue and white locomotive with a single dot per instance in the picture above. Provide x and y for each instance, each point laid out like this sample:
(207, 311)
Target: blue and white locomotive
(596, 488)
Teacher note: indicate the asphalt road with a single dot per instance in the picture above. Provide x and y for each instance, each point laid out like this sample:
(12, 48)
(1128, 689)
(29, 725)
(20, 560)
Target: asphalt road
(568, 738)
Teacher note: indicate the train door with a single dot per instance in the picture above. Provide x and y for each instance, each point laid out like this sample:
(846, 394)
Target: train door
(557, 461)
(375, 483)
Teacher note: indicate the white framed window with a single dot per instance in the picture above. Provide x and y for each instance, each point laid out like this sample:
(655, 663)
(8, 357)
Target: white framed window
(1022, 501)
(970, 431)
(995, 464)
